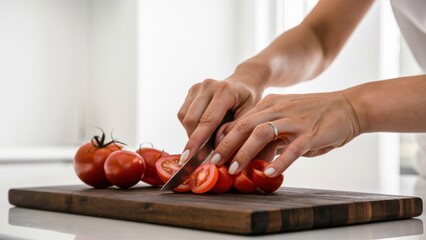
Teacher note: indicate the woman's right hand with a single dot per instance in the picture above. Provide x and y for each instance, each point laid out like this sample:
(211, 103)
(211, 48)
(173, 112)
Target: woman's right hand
(207, 103)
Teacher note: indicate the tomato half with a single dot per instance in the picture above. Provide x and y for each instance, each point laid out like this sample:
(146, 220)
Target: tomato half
(263, 182)
(89, 162)
(243, 183)
(151, 156)
(224, 181)
(124, 168)
(204, 178)
(166, 167)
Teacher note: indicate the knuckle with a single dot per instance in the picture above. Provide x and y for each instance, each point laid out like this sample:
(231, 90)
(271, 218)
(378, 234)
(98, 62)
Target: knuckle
(296, 149)
(243, 126)
(208, 82)
(181, 115)
(225, 148)
(224, 87)
(208, 118)
(189, 121)
(242, 155)
(262, 132)
(195, 88)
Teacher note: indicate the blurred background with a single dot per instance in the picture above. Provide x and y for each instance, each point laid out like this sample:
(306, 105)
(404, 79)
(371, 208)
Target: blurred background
(69, 66)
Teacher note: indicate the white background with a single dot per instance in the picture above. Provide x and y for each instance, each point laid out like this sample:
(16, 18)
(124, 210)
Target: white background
(68, 66)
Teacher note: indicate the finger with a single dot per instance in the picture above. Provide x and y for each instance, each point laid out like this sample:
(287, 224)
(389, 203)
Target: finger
(293, 151)
(209, 121)
(236, 137)
(192, 93)
(220, 134)
(261, 135)
(266, 103)
(195, 111)
(271, 150)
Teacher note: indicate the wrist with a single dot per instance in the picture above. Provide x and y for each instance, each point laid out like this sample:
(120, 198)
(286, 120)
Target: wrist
(253, 73)
(355, 100)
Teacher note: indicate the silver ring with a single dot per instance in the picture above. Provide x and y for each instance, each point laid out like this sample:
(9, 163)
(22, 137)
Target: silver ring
(275, 129)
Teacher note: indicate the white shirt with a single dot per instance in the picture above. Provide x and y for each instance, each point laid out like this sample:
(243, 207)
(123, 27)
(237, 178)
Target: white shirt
(411, 18)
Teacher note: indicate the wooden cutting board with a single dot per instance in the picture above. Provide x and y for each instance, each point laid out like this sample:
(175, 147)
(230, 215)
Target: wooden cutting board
(288, 209)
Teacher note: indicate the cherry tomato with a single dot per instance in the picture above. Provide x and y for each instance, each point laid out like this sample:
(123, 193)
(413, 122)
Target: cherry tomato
(124, 168)
(204, 178)
(263, 182)
(243, 183)
(151, 156)
(224, 181)
(166, 167)
(90, 158)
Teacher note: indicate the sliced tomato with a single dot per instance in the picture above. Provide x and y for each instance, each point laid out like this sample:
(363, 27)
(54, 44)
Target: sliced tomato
(184, 187)
(151, 156)
(204, 178)
(166, 167)
(263, 182)
(224, 181)
(243, 183)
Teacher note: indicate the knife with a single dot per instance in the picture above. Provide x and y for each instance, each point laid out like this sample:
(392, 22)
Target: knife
(196, 160)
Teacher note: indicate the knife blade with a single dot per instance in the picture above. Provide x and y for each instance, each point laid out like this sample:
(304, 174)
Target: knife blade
(196, 160)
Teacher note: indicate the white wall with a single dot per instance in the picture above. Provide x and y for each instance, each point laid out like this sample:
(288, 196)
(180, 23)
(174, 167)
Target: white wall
(111, 91)
(43, 61)
(67, 67)
(180, 43)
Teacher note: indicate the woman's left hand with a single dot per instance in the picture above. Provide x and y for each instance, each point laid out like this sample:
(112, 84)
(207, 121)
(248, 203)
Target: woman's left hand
(290, 125)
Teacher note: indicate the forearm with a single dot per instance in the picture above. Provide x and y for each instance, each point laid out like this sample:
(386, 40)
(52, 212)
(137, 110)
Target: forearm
(305, 51)
(294, 56)
(396, 105)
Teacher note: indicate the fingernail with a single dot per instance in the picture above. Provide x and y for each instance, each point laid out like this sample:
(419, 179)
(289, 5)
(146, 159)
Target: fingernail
(269, 172)
(233, 168)
(221, 137)
(216, 159)
(184, 157)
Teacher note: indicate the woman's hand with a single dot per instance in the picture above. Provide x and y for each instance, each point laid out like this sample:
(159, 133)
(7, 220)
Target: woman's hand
(306, 125)
(207, 103)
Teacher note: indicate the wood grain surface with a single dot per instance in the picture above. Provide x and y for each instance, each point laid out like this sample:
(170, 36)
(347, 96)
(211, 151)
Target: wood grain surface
(288, 209)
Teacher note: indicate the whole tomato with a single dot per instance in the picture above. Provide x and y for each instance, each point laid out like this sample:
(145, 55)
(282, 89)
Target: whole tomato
(90, 158)
(151, 156)
(124, 168)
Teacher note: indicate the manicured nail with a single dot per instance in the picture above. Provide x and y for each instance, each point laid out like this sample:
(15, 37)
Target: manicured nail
(221, 137)
(216, 159)
(184, 157)
(269, 172)
(233, 168)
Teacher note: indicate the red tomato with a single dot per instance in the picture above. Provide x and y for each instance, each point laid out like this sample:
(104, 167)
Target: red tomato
(89, 161)
(204, 178)
(166, 167)
(243, 183)
(151, 155)
(263, 182)
(224, 181)
(124, 168)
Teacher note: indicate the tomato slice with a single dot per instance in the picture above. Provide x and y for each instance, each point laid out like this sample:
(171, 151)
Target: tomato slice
(166, 167)
(263, 182)
(204, 178)
(151, 156)
(224, 181)
(243, 183)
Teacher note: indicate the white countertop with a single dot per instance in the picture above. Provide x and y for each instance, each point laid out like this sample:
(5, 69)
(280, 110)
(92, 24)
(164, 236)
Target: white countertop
(20, 223)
